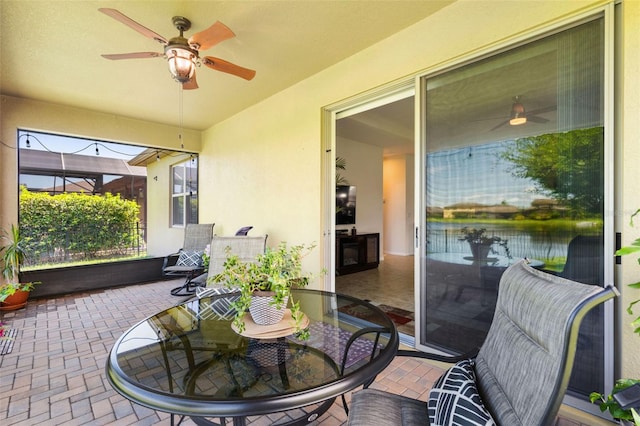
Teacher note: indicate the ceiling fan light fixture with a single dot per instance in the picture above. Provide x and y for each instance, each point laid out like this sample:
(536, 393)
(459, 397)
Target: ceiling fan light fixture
(182, 62)
(182, 55)
(518, 115)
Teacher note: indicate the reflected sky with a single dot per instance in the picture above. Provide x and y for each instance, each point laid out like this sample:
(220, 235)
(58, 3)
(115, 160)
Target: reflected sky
(476, 174)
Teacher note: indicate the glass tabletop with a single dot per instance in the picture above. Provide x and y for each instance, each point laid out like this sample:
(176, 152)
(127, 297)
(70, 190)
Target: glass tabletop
(188, 360)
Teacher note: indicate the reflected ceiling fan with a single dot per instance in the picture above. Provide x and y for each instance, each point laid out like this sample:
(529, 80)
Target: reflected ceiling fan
(183, 55)
(519, 116)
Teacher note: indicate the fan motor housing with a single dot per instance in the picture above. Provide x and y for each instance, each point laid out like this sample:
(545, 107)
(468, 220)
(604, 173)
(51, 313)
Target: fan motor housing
(181, 23)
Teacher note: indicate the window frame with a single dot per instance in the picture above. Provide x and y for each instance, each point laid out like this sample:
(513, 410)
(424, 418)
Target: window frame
(188, 193)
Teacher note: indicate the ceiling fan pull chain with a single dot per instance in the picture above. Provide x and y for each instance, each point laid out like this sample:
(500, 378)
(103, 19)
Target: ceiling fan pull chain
(181, 114)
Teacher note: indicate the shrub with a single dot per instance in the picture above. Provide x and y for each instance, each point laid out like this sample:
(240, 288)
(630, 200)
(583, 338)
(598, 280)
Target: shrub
(76, 224)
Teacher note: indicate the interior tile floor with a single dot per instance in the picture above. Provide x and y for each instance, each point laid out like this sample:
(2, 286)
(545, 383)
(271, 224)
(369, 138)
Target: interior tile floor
(55, 375)
(390, 284)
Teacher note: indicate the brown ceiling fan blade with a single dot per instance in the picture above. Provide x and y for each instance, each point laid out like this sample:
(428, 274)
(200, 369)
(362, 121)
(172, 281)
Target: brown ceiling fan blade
(119, 16)
(499, 125)
(542, 110)
(191, 84)
(136, 55)
(211, 36)
(224, 66)
(536, 119)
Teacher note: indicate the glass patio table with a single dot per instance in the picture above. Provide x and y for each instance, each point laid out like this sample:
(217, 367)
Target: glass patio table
(188, 360)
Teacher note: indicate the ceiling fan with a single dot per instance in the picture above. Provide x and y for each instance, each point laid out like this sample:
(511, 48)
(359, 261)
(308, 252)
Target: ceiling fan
(183, 55)
(519, 116)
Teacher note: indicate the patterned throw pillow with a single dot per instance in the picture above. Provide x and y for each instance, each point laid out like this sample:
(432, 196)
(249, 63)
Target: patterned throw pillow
(189, 258)
(454, 399)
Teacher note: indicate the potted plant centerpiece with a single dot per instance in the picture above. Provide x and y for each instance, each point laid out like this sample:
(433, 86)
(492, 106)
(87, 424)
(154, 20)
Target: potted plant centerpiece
(627, 416)
(481, 244)
(265, 284)
(13, 293)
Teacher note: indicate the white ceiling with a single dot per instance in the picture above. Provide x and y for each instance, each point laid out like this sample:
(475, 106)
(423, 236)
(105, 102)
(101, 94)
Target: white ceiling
(389, 126)
(50, 51)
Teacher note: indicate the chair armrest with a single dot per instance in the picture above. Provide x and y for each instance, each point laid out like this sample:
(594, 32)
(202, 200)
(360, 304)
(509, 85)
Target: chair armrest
(436, 357)
(170, 260)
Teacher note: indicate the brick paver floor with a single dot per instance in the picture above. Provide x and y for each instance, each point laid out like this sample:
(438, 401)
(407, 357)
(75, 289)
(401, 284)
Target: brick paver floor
(55, 373)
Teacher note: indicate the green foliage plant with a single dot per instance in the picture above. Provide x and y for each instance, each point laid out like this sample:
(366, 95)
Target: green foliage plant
(478, 236)
(81, 226)
(12, 255)
(633, 248)
(341, 164)
(606, 402)
(276, 271)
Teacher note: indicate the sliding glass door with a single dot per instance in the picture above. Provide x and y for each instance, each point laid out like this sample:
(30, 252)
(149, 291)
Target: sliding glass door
(514, 167)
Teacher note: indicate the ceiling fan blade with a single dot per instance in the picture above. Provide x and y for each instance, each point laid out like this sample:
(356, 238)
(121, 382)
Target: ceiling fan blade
(537, 119)
(137, 55)
(224, 66)
(118, 16)
(499, 125)
(531, 116)
(542, 110)
(191, 84)
(211, 36)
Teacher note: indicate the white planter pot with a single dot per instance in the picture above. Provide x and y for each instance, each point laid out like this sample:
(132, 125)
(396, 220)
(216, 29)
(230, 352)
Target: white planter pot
(480, 251)
(262, 310)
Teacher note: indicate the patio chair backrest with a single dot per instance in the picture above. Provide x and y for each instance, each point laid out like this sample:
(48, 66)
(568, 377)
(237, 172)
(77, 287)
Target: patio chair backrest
(197, 236)
(524, 365)
(585, 259)
(245, 247)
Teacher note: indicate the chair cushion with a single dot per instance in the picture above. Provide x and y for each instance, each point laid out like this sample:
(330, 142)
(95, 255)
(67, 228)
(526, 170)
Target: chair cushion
(189, 258)
(380, 408)
(454, 399)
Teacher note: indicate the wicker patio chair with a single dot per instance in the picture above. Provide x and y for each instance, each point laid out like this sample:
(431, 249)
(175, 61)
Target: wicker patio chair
(522, 370)
(187, 262)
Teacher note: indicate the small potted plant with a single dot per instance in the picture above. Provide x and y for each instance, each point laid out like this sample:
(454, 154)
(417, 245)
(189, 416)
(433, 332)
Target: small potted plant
(481, 244)
(13, 293)
(607, 402)
(266, 283)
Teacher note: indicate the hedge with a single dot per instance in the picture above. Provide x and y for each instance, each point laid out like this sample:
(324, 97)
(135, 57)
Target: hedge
(76, 225)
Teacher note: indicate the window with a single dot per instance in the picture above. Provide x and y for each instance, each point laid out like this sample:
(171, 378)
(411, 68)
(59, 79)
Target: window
(81, 200)
(184, 193)
(534, 187)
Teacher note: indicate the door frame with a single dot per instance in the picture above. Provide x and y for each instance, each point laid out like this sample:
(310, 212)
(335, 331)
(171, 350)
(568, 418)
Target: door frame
(330, 114)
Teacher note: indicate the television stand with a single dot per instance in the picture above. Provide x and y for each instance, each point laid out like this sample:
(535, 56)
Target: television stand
(355, 253)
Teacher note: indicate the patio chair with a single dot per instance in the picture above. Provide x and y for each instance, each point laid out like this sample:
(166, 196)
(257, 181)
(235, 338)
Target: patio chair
(520, 373)
(187, 262)
(245, 247)
(585, 260)
(244, 230)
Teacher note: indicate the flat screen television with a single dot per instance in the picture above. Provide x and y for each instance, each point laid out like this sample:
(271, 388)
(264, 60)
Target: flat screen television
(345, 205)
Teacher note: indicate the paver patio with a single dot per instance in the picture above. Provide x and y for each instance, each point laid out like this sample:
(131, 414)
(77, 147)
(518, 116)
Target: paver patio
(55, 373)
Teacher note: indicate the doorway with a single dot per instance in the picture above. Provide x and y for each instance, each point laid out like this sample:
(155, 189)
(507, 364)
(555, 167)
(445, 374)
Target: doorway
(375, 159)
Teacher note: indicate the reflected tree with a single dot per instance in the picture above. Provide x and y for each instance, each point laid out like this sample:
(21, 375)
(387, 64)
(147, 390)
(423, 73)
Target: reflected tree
(569, 166)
